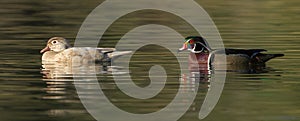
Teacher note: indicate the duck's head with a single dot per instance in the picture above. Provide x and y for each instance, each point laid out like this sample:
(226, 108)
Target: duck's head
(56, 44)
(195, 44)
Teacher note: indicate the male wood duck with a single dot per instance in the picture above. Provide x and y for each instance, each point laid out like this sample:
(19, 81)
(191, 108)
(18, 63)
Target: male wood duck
(237, 59)
(58, 49)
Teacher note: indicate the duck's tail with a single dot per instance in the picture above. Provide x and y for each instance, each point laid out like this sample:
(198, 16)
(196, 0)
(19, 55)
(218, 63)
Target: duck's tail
(116, 54)
(262, 58)
(109, 56)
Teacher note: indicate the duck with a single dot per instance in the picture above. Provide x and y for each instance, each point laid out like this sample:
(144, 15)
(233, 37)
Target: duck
(236, 59)
(58, 49)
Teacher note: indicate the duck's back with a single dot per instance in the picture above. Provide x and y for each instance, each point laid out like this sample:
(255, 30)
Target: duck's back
(248, 52)
(79, 55)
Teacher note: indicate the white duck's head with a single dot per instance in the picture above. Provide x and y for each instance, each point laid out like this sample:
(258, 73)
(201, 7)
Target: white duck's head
(56, 44)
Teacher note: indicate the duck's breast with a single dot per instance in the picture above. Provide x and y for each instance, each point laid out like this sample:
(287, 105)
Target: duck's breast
(49, 56)
(198, 58)
(198, 61)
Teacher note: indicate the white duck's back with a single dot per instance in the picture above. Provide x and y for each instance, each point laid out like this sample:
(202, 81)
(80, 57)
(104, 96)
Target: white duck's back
(59, 50)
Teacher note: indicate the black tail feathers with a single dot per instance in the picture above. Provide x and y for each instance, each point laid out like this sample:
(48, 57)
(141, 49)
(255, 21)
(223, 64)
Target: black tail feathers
(262, 58)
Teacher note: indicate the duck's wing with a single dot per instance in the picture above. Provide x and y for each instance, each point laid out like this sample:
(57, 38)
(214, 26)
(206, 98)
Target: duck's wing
(254, 54)
(250, 52)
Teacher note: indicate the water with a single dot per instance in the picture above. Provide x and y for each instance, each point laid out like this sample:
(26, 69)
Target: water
(268, 96)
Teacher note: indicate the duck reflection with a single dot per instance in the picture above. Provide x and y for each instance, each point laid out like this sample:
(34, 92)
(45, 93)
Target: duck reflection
(60, 86)
(64, 70)
(59, 77)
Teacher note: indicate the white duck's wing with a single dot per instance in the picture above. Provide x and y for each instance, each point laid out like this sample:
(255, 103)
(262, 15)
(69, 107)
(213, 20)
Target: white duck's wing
(85, 55)
(79, 55)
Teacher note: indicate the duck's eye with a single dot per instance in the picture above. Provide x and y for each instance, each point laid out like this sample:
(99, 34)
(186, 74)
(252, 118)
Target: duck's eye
(53, 42)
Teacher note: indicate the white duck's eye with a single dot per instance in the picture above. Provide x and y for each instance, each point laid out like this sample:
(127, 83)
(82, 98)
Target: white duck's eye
(54, 42)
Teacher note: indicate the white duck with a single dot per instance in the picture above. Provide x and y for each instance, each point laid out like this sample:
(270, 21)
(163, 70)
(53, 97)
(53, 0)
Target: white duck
(59, 50)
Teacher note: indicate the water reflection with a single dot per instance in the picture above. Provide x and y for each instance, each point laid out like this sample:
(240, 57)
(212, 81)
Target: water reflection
(60, 87)
(65, 70)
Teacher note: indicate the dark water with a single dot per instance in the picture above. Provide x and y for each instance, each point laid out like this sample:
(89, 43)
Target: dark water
(268, 96)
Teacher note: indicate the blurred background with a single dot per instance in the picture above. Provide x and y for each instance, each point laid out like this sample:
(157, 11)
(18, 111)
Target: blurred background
(272, 95)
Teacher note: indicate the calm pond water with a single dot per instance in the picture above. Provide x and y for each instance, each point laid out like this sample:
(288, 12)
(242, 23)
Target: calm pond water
(270, 95)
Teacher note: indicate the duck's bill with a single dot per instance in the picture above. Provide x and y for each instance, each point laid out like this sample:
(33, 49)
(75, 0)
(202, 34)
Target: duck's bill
(180, 50)
(183, 48)
(45, 49)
